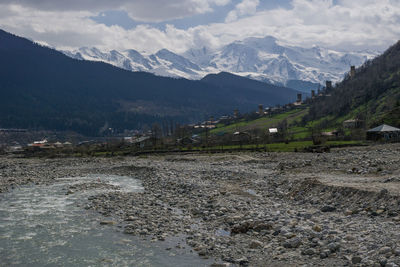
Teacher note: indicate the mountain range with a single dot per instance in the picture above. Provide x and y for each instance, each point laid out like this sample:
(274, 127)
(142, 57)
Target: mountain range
(41, 88)
(265, 59)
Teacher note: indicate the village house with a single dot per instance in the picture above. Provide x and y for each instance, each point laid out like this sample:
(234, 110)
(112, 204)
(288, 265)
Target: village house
(143, 142)
(353, 123)
(384, 132)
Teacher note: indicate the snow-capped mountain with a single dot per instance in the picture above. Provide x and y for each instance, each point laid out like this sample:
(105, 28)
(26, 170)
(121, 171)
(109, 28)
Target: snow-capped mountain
(266, 59)
(263, 59)
(162, 63)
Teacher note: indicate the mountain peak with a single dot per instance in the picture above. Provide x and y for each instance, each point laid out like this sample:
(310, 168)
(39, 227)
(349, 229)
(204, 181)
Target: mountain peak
(262, 58)
(266, 40)
(165, 51)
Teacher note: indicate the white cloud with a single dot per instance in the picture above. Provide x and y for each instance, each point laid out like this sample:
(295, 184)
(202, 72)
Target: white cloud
(244, 8)
(348, 24)
(141, 10)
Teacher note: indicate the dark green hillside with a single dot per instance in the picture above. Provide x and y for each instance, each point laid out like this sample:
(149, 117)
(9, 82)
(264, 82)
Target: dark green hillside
(241, 84)
(41, 88)
(372, 95)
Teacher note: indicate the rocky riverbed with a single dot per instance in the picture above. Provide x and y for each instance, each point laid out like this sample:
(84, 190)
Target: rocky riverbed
(257, 209)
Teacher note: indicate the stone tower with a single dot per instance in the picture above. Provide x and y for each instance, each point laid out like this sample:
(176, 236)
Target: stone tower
(328, 85)
(299, 98)
(236, 113)
(352, 71)
(260, 109)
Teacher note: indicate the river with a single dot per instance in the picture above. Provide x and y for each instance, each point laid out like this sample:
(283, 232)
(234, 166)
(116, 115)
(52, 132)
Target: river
(43, 225)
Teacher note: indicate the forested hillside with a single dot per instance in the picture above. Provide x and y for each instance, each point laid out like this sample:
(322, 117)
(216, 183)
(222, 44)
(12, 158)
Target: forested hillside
(41, 88)
(372, 95)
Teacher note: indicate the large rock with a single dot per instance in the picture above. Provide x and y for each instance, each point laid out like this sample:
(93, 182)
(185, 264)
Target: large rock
(255, 244)
(385, 250)
(107, 222)
(328, 208)
(292, 243)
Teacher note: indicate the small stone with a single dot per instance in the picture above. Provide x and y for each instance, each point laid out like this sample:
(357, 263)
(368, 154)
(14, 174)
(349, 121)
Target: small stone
(397, 252)
(348, 212)
(328, 208)
(107, 222)
(356, 259)
(202, 252)
(220, 265)
(379, 211)
(333, 247)
(242, 261)
(383, 192)
(144, 232)
(324, 254)
(69, 192)
(317, 228)
(382, 261)
(292, 243)
(309, 251)
(255, 244)
(349, 237)
(130, 219)
(384, 250)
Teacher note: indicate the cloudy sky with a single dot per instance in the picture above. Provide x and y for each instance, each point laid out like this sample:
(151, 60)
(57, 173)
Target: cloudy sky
(149, 25)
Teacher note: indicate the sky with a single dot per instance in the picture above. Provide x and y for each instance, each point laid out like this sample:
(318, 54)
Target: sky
(179, 25)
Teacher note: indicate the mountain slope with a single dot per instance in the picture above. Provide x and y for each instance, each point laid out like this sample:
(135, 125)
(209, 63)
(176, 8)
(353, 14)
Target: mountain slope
(372, 95)
(263, 59)
(238, 83)
(41, 88)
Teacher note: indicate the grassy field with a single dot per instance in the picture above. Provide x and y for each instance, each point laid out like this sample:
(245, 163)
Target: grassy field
(262, 123)
(292, 117)
(283, 147)
(272, 147)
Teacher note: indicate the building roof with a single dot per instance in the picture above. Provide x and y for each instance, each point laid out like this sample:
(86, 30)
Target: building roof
(352, 120)
(384, 128)
(141, 139)
(273, 130)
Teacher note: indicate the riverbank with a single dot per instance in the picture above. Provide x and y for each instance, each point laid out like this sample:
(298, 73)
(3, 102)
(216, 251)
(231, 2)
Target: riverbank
(258, 209)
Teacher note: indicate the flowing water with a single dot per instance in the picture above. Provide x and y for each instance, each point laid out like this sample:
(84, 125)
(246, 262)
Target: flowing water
(43, 226)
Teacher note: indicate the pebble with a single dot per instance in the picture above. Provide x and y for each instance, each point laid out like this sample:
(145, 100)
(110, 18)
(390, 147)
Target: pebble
(292, 243)
(356, 259)
(385, 250)
(256, 244)
(328, 209)
(107, 222)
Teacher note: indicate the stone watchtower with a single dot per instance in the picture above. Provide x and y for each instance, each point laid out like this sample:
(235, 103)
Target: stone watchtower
(299, 98)
(328, 85)
(236, 113)
(352, 71)
(260, 109)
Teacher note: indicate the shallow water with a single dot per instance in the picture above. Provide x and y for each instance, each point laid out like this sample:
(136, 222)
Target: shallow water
(43, 226)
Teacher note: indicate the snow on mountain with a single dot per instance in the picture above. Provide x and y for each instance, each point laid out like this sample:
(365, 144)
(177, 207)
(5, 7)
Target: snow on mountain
(264, 59)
